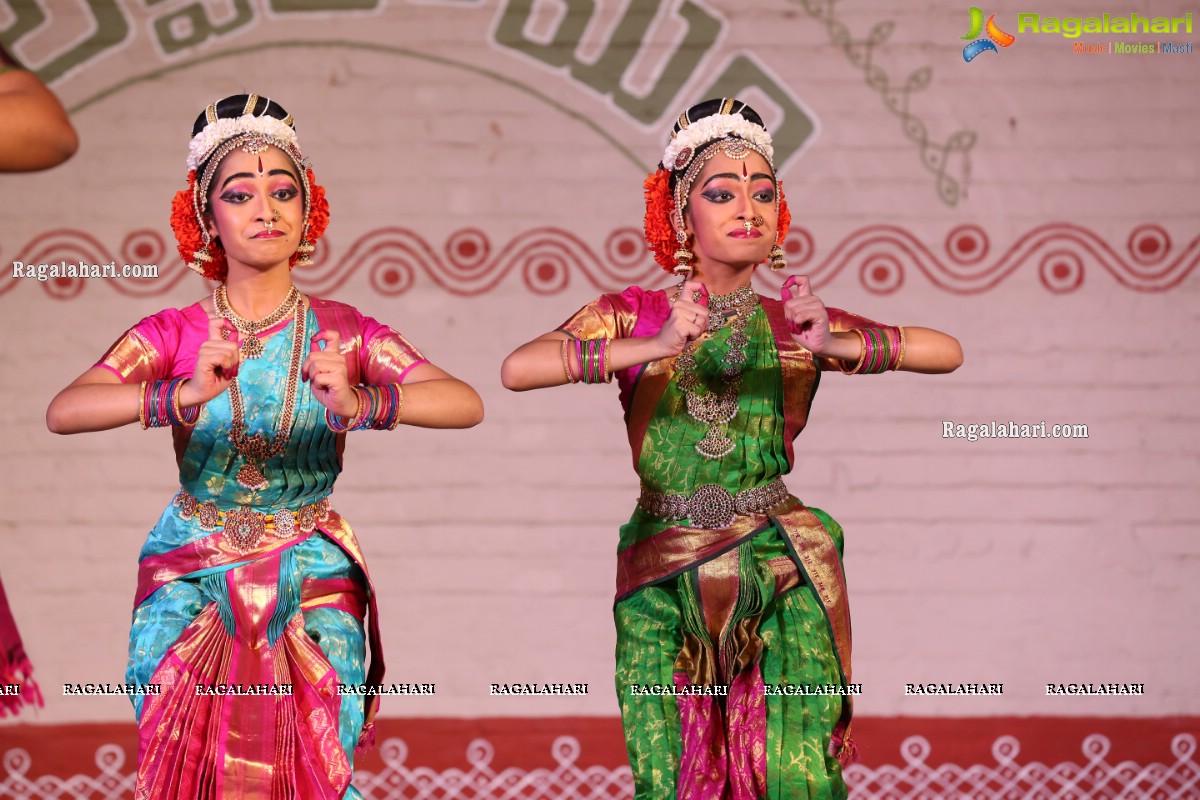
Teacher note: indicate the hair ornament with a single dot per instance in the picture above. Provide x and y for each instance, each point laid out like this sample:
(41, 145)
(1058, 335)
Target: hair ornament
(268, 129)
(694, 135)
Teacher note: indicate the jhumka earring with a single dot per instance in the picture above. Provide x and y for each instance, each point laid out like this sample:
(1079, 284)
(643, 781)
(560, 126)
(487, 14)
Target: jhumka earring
(778, 262)
(683, 256)
(305, 250)
(201, 257)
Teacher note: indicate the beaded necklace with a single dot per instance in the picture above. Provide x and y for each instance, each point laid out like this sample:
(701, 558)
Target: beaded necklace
(718, 408)
(256, 449)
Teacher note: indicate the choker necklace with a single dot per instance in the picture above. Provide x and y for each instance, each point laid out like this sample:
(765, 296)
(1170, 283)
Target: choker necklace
(252, 346)
(256, 449)
(717, 408)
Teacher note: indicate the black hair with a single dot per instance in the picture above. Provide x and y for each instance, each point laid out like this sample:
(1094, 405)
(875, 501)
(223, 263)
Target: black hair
(234, 106)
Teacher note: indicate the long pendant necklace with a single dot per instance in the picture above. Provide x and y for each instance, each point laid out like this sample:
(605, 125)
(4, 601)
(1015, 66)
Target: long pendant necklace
(252, 346)
(718, 408)
(256, 449)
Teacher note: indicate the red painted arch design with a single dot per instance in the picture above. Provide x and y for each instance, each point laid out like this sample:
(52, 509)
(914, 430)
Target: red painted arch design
(884, 259)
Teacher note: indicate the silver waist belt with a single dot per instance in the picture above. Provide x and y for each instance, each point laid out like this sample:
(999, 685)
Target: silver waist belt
(713, 506)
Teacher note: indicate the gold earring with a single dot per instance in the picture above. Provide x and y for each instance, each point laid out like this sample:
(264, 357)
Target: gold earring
(305, 249)
(683, 256)
(201, 257)
(778, 262)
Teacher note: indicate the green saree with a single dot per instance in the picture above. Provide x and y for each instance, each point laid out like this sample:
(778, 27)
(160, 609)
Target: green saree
(733, 637)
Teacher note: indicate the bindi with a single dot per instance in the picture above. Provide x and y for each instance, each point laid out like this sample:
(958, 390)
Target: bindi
(745, 173)
(260, 167)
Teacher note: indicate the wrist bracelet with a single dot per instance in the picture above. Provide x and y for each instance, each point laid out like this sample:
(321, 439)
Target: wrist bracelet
(378, 408)
(882, 350)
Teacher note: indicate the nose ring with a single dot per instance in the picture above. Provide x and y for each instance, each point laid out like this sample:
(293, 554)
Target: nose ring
(757, 219)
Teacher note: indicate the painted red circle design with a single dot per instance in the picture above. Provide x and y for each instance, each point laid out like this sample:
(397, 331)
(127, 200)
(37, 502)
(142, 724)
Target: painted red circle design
(546, 271)
(881, 273)
(467, 251)
(1061, 271)
(1149, 244)
(966, 244)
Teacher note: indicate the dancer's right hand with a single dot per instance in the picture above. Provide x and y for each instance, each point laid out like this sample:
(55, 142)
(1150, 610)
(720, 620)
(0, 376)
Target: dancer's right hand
(217, 363)
(687, 321)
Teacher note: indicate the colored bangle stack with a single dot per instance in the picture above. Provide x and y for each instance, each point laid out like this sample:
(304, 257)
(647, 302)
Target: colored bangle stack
(379, 409)
(591, 360)
(882, 350)
(158, 405)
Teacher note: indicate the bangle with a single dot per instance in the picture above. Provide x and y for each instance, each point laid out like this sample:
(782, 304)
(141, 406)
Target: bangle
(900, 354)
(176, 415)
(879, 355)
(378, 409)
(882, 350)
(566, 359)
(337, 424)
(862, 354)
(593, 360)
(142, 407)
(399, 406)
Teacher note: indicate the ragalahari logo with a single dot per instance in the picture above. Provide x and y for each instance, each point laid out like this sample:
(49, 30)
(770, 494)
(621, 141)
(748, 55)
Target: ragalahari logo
(995, 36)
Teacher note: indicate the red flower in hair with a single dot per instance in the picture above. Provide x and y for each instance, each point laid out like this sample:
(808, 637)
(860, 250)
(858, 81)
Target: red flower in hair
(659, 208)
(785, 215)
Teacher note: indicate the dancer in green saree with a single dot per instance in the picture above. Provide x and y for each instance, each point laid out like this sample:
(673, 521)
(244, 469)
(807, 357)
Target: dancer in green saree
(733, 630)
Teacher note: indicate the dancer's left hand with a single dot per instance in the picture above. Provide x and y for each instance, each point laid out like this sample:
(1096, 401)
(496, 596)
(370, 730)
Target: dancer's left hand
(806, 316)
(325, 371)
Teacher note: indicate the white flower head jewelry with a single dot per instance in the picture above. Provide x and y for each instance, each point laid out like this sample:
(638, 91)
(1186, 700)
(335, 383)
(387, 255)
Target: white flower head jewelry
(215, 133)
(694, 135)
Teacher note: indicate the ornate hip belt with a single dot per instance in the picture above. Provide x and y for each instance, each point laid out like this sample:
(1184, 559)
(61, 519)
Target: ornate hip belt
(245, 528)
(713, 506)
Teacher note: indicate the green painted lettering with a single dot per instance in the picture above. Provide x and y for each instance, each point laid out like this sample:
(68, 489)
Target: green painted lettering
(190, 26)
(111, 28)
